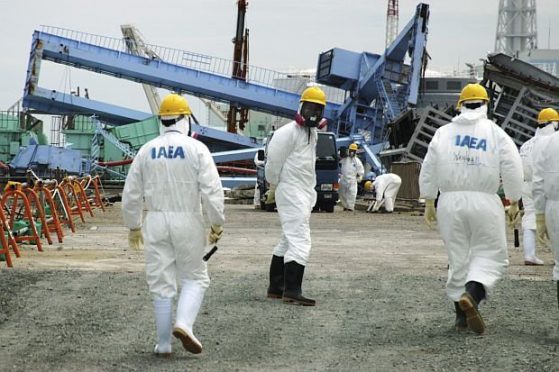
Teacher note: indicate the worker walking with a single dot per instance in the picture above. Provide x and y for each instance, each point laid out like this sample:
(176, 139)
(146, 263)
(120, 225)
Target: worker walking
(466, 160)
(547, 125)
(545, 191)
(172, 174)
(351, 174)
(290, 170)
(386, 188)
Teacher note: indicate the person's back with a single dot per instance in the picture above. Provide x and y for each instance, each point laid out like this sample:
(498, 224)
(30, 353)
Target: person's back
(548, 166)
(174, 163)
(471, 155)
(384, 180)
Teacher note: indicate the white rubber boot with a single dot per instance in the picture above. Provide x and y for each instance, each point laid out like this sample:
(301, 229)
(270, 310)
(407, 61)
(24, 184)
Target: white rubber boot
(190, 300)
(163, 311)
(530, 258)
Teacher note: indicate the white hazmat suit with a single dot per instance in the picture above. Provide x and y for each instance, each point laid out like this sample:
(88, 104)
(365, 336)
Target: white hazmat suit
(545, 181)
(528, 152)
(256, 199)
(173, 173)
(386, 188)
(465, 161)
(290, 166)
(351, 172)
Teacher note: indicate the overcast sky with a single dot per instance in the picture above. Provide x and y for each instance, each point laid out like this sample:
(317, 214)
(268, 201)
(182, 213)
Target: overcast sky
(283, 34)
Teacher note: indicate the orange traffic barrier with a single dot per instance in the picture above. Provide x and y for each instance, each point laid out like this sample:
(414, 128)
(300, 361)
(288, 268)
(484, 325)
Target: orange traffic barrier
(52, 219)
(83, 200)
(15, 200)
(37, 206)
(96, 199)
(7, 239)
(66, 215)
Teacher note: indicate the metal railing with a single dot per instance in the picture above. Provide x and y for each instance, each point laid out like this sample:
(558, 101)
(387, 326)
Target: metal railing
(214, 65)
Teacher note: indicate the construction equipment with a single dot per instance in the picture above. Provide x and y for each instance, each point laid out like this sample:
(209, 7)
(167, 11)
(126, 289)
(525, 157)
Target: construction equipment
(238, 116)
(375, 89)
(517, 92)
(392, 17)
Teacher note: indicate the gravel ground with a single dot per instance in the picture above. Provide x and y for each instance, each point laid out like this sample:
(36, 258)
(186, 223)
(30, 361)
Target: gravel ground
(378, 279)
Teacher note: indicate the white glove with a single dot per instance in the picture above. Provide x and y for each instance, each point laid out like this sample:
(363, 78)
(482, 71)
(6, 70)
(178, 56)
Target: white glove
(513, 214)
(270, 195)
(135, 240)
(430, 215)
(215, 233)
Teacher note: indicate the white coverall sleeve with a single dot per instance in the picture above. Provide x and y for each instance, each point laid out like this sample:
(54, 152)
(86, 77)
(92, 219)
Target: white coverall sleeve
(538, 193)
(279, 148)
(210, 188)
(428, 178)
(133, 195)
(360, 169)
(511, 168)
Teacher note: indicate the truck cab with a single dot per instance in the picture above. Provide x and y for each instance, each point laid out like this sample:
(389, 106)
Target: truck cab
(327, 171)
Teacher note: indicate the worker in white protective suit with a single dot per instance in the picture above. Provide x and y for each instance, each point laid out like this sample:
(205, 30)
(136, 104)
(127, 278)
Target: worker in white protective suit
(173, 174)
(386, 188)
(545, 191)
(547, 125)
(465, 161)
(290, 171)
(351, 174)
(256, 199)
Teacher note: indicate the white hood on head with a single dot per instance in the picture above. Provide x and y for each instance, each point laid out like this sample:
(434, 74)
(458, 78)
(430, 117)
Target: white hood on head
(182, 126)
(548, 130)
(468, 116)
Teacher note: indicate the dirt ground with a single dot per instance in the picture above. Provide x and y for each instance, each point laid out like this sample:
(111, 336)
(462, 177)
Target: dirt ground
(378, 279)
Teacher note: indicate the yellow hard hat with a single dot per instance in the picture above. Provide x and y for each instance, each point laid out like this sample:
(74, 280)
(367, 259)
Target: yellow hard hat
(174, 104)
(368, 186)
(472, 92)
(546, 115)
(315, 95)
(353, 147)
(12, 185)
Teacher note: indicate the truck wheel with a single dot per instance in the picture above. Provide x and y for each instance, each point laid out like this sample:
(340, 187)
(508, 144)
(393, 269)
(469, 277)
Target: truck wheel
(329, 208)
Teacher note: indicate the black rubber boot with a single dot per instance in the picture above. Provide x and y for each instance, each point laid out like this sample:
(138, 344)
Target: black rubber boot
(469, 302)
(275, 289)
(292, 289)
(460, 323)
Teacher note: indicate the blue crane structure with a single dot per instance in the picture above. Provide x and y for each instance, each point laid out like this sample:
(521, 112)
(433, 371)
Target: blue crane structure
(376, 89)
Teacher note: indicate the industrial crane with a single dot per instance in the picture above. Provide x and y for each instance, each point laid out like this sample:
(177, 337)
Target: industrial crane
(392, 15)
(136, 44)
(238, 116)
(378, 88)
